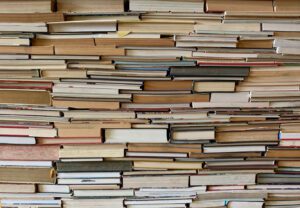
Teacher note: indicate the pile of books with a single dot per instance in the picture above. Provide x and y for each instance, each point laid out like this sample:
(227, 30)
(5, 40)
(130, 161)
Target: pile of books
(150, 103)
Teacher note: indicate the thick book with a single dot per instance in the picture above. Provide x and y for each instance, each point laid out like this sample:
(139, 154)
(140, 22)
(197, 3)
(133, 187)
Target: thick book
(106, 166)
(90, 6)
(135, 136)
(210, 71)
(25, 97)
(27, 175)
(224, 179)
(29, 152)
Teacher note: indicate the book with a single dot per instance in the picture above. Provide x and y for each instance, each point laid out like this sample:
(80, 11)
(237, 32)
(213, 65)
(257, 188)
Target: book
(27, 175)
(136, 135)
(243, 6)
(90, 6)
(155, 181)
(166, 6)
(28, 152)
(94, 166)
(224, 179)
(25, 97)
(31, 6)
(214, 86)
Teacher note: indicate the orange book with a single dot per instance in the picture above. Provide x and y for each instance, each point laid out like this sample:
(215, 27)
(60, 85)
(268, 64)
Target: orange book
(179, 98)
(168, 85)
(37, 50)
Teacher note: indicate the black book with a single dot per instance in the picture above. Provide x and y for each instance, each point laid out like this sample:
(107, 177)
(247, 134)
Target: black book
(94, 166)
(210, 71)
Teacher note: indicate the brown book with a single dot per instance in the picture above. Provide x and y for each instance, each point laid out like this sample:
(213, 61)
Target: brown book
(30, 18)
(286, 6)
(173, 148)
(81, 104)
(255, 44)
(63, 42)
(289, 163)
(26, 97)
(247, 136)
(239, 5)
(26, 152)
(283, 153)
(156, 99)
(168, 85)
(88, 50)
(37, 50)
(78, 130)
(90, 6)
(17, 188)
(27, 175)
(142, 42)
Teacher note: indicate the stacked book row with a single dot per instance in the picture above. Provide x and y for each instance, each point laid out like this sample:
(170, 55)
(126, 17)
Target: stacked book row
(150, 103)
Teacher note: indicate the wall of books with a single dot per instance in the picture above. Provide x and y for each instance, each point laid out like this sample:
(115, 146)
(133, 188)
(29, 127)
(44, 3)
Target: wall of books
(150, 103)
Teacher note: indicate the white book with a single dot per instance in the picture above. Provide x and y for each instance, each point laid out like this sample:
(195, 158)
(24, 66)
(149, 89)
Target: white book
(17, 140)
(82, 114)
(16, 202)
(26, 163)
(83, 26)
(81, 95)
(230, 105)
(100, 35)
(257, 148)
(155, 154)
(289, 135)
(136, 135)
(78, 175)
(240, 97)
(14, 41)
(286, 43)
(68, 181)
(58, 89)
(167, 6)
(104, 193)
(158, 202)
(13, 56)
(288, 50)
(100, 86)
(156, 206)
(80, 159)
(224, 55)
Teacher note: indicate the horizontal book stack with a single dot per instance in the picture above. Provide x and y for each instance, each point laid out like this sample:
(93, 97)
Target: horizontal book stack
(150, 103)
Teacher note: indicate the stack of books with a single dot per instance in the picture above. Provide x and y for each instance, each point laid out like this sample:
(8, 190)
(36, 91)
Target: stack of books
(150, 103)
